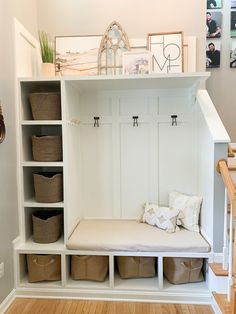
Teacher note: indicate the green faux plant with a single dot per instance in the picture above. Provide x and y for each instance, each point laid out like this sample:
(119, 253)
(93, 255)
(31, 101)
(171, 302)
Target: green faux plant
(46, 46)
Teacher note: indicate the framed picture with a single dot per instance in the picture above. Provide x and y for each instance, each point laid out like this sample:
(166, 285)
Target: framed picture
(213, 24)
(167, 52)
(233, 24)
(136, 62)
(214, 4)
(233, 54)
(213, 54)
(77, 55)
(233, 4)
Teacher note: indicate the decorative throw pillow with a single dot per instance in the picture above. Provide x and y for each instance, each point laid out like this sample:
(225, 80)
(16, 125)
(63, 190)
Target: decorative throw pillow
(162, 217)
(189, 208)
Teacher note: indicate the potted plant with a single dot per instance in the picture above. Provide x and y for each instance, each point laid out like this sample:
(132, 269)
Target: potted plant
(47, 54)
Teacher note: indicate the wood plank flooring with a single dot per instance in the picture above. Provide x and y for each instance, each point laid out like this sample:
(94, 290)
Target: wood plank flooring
(45, 306)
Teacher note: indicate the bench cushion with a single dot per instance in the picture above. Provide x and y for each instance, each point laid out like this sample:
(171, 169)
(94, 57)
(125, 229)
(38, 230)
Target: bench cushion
(129, 235)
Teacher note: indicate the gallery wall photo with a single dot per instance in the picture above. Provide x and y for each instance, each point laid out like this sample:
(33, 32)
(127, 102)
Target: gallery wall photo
(213, 54)
(214, 4)
(233, 24)
(213, 24)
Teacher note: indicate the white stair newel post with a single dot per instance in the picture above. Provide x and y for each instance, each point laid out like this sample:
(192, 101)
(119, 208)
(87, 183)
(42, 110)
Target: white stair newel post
(225, 247)
(230, 253)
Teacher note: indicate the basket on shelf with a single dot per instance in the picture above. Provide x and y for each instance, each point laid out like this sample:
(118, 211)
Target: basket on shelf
(136, 266)
(45, 106)
(47, 225)
(47, 148)
(43, 267)
(179, 270)
(48, 187)
(89, 267)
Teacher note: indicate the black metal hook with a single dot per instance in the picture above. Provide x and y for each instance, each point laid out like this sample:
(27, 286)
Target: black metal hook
(174, 119)
(135, 120)
(96, 122)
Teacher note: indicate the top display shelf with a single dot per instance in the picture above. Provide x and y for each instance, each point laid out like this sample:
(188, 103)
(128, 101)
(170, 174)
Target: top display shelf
(117, 82)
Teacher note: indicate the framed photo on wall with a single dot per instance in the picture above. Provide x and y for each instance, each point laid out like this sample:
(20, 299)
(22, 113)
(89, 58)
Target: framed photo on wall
(77, 55)
(233, 4)
(233, 54)
(213, 54)
(214, 4)
(233, 24)
(167, 52)
(213, 24)
(136, 62)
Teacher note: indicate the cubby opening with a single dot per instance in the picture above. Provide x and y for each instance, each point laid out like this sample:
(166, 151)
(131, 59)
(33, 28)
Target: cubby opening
(93, 270)
(24, 272)
(36, 130)
(35, 87)
(138, 272)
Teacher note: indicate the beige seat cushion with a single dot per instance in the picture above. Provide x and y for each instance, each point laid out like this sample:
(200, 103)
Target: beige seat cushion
(129, 235)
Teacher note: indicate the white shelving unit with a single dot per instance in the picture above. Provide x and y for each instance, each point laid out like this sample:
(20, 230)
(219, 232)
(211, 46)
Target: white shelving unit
(109, 171)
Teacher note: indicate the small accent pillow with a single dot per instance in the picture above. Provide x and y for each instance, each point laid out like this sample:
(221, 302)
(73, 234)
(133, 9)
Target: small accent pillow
(162, 217)
(189, 208)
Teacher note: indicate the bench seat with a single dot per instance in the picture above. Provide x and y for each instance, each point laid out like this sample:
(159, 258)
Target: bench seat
(129, 235)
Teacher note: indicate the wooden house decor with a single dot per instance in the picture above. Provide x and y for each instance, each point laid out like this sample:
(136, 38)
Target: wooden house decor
(114, 42)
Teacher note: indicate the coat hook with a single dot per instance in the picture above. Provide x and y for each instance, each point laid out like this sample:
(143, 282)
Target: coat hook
(96, 121)
(135, 120)
(174, 119)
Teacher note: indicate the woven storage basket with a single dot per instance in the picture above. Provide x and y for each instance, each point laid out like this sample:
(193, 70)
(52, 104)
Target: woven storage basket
(47, 226)
(47, 148)
(43, 267)
(89, 267)
(48, 187)
(136, 266)
(46, 106)
(179, 270)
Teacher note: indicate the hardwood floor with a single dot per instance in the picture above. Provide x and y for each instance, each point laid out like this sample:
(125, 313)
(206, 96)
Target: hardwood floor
(43, 306)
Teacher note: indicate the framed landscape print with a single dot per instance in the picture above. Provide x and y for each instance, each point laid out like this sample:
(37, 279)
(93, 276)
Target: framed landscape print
(167, 52)
(136, 62)
(77, 55)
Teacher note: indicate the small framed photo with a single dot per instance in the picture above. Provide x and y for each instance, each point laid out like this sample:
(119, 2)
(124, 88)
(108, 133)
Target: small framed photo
(233, 24)
(167, 52)
(77, 55)
(213, 24)
(213, 54)
(214, 4)
(233, 4)
(136, 62)
(233, 54)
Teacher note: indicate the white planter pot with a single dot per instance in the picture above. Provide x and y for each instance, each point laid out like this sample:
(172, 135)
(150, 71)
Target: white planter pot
(48, 69)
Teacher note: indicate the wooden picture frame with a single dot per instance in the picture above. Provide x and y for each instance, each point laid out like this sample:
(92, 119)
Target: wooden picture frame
(167, 52)
(136, 62)
(77, 55)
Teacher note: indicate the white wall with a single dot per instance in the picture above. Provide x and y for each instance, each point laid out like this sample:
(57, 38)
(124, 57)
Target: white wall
(25, 11)
(73, 17)
(221, 85)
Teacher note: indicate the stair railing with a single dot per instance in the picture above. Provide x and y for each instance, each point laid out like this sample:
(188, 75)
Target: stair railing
(230, 195)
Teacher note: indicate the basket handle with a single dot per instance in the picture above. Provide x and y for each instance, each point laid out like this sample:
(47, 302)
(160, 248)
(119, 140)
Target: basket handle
(43, 265)
(189, 268)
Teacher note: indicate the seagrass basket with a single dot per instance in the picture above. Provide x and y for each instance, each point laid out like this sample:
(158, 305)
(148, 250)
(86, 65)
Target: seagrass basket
(136, 266)
(45, 106)
(89, 267)
(48, 187)
(47, 226)
(47, 148)
(43, 267)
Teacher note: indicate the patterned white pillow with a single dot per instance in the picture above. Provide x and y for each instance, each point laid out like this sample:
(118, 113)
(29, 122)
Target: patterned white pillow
(189, 208)
(162, 217)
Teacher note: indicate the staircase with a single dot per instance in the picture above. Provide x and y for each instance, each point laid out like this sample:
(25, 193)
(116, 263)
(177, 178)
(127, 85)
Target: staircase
(227, 302)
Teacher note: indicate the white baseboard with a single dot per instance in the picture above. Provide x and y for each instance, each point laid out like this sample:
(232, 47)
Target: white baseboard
(7, 301)
(215, 306)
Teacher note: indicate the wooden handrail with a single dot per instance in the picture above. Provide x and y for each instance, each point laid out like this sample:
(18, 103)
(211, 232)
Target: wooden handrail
(222, 168)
